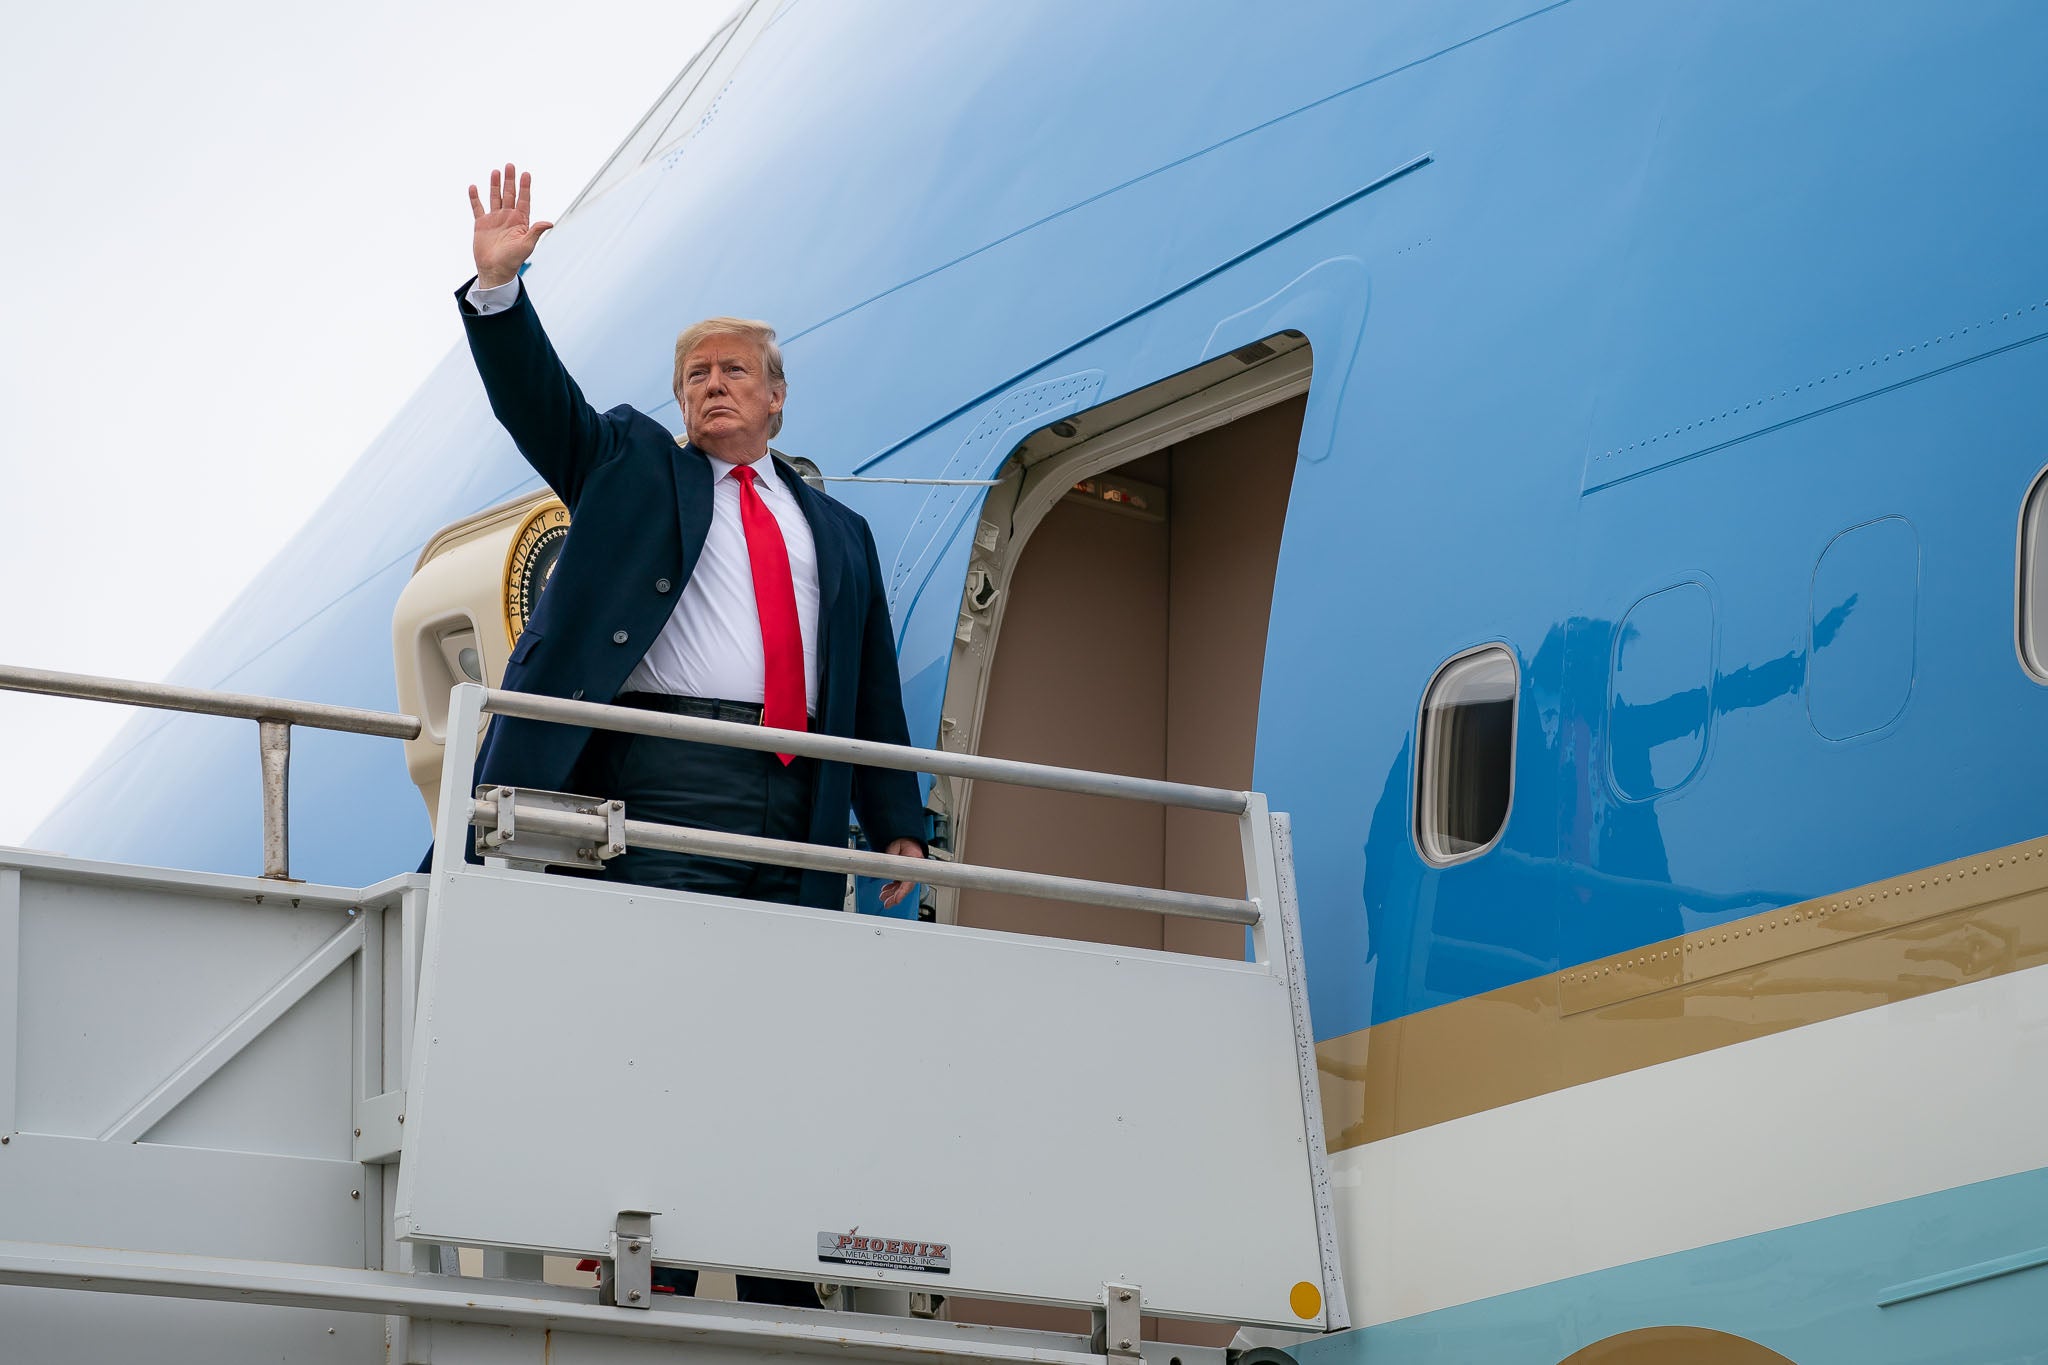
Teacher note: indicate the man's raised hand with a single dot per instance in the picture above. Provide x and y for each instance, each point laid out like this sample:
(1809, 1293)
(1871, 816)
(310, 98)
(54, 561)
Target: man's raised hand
(505, 234)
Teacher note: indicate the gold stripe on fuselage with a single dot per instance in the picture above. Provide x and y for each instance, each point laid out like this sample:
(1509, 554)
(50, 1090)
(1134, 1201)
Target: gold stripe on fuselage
(1944, 926)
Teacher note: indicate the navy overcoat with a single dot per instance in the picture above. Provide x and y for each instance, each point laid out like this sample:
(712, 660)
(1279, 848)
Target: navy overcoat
(639, 508)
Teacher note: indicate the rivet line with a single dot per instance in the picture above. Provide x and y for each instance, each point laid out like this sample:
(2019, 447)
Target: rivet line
(1816, 383)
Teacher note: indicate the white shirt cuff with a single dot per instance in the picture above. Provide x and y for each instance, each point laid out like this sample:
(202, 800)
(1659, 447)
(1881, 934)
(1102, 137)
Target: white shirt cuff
(496, 299)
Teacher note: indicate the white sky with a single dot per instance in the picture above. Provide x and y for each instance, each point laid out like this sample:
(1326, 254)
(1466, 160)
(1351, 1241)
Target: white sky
(173, 178)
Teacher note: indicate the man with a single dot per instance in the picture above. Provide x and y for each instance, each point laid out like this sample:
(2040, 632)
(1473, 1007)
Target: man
(699, 577)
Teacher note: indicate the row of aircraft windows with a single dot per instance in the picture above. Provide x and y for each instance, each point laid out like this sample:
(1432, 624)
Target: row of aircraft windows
(1465, 734)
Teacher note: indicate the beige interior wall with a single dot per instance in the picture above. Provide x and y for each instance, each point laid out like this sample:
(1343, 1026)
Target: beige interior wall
(1080, 669)
(1228, 505)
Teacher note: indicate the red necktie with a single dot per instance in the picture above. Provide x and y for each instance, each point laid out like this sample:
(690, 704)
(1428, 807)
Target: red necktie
(782, 639)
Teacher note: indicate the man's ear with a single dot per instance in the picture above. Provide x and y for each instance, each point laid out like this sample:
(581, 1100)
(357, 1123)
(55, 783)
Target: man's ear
(780, 392)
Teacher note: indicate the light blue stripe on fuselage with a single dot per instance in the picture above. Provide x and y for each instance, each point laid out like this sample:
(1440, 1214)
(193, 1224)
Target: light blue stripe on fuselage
(1810, 1292)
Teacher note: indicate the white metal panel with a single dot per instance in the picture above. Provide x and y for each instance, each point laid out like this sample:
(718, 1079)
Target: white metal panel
(1057, 1114)
(181, 1199)
(142, 996)
(129, 982)
(286, 1092)
(65, 1327)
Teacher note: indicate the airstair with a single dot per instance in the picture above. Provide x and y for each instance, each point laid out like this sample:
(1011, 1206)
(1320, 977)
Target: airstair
(254, 1118)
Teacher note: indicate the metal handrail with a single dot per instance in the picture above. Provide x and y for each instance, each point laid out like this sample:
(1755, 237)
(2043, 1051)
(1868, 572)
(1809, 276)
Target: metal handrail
(964, 876)
(483, 814)
(275, 716)
(867, 752)
(274, 719)
(237, 705)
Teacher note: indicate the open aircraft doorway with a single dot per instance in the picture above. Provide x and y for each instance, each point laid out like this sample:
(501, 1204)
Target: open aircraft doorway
(1114, 616)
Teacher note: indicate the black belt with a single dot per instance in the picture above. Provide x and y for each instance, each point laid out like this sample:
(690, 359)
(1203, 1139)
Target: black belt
(707, 708)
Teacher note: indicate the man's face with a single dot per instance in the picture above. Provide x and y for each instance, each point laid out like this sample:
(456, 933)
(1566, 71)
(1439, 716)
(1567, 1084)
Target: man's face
(728, 401)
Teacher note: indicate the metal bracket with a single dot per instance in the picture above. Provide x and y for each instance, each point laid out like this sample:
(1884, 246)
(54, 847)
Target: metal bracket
(274, 749)
(532, 851)
(380, 1127)
(625, 1279)
(1117, 1324)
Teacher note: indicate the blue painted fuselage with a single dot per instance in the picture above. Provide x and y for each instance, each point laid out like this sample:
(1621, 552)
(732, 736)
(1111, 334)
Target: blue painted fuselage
(1688, 351)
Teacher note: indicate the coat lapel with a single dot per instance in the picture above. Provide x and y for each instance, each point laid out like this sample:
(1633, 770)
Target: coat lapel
(832, 549)
(693, 503)
(825, 537)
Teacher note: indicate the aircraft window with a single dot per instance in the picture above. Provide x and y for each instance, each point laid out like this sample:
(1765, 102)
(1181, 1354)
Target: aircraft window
(1659, 692)
(1466, 746)
(2032, 608)
(1866, 604)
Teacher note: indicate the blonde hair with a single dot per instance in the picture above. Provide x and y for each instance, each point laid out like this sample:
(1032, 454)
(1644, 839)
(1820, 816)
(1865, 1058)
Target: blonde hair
(760, 333)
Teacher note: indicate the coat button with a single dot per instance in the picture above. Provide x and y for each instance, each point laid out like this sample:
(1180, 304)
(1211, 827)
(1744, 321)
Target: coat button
(618, 637)
(577, 695)
(661, 585)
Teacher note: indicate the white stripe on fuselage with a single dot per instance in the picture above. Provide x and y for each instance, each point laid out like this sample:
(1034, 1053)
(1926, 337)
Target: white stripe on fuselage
(1881, 1105)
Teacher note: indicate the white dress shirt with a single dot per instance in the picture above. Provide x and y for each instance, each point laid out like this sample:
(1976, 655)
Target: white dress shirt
(711, 646)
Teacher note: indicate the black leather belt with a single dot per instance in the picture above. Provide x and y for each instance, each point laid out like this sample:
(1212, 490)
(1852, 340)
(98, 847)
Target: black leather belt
(708, 708)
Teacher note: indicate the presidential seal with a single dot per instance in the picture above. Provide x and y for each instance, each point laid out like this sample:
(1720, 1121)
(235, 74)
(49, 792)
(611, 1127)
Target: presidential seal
(535, 548)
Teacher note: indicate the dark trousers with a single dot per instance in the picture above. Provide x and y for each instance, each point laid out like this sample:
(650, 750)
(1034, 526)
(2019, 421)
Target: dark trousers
(706, 786)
